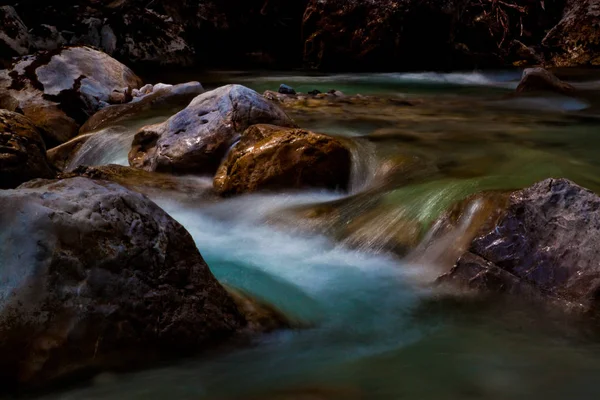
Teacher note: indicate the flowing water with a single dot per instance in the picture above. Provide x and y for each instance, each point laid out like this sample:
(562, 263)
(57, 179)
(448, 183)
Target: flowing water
(356, 269)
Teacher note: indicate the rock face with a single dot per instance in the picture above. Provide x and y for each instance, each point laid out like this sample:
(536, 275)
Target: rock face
(196, 139)
(14, 38)
(101, 278)
(391, 34)
(576, 38)
(22, 151)
(60, 90)
(270, 157)
(545, 243)
(540, 79)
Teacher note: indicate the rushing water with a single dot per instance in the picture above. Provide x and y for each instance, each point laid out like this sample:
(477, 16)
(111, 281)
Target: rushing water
(376, 328)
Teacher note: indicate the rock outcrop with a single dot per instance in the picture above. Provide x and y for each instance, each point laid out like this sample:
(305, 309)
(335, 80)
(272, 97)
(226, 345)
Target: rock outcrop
(59, 90)
(14, 38)
(575, 40)
(22, 151)
(101, 278)
(544, 244)
(196, 139)
(270, 157)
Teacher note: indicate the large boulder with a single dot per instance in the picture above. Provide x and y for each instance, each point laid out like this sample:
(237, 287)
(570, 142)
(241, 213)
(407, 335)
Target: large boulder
(575, 40)
(59, 90)
(196, 139)
(545, 244)
(96, 276)
(270, 157)
(542, 80)
(22, 151)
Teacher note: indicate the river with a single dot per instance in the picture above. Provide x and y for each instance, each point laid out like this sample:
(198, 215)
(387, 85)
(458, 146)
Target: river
(375, 327)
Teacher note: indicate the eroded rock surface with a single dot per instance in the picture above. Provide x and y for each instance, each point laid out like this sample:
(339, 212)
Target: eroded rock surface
(60, 90)
(546, 242)
(196, 139)
(22, 151)
(270, 157)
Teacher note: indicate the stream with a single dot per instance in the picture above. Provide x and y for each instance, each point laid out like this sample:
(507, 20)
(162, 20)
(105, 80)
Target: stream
(349, 266)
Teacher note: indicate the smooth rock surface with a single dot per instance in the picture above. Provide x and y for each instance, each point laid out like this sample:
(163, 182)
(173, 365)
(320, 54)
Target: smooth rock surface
(542, 80)
(22, 151)
(61, 89)
(196, 139)
(270, 157)
(546, 242)
(101, 278)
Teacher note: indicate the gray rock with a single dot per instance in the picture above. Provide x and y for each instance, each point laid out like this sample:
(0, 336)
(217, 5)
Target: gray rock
(22, 151)
(285, 89)
(542, 80)
(101, 278)
(196, 139)
(14, 37)
(60, 90)
(546, 242)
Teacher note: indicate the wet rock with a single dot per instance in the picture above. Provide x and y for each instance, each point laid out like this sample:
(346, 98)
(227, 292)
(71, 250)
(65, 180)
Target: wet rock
(150, 100)
(196, 139)
(22, 151)
(545, 242)
(60, 90)
(102, 279)
(285, 89)
(575, 40)
(14, 38)
(314, 92)
(61, 156)
(540, 79)
(269, 157)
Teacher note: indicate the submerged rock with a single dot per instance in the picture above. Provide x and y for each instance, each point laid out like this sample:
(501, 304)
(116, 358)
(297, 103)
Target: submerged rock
(269, 157)
(575, 40)
(196, 139)
(542, 80)
(60, 90)
(101, 278)
(22, 151)
(544, 243)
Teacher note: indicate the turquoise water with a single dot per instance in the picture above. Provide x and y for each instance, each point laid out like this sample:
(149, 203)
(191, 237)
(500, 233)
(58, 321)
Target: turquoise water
(376, 327)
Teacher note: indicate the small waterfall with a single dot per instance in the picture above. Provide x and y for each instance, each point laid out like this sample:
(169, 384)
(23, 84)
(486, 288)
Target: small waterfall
(364, 165)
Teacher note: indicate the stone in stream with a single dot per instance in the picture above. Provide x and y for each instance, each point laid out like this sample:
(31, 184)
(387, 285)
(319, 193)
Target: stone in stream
(59, 90)
(270, 157)
(542, 80)
(22, 151)
(196, 139)
(285, 89)
(95, 276)
(545, 242)
(14, 37)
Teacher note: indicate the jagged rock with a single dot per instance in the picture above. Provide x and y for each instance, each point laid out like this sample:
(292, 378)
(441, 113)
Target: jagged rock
(14, 38)
(101, 278)
(545, 244)
(22, 151)
(540, 79)
(60, 90)
(270, 157)
(196, 139)
(575, 40)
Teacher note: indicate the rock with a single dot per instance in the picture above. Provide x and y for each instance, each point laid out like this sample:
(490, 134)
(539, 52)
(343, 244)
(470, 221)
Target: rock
(61, 156)
(102, 278)
(270, 157)
(196, 139)
(60, 90)
(22, 151)
(544, 243)
(314, 92)
(575, 40)
(285, 89)
(150, 102)
(14, 38)
(540, 79)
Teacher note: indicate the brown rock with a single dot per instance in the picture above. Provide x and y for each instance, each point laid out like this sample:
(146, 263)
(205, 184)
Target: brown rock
(22, 151)
(269, 157)
(542, 80)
